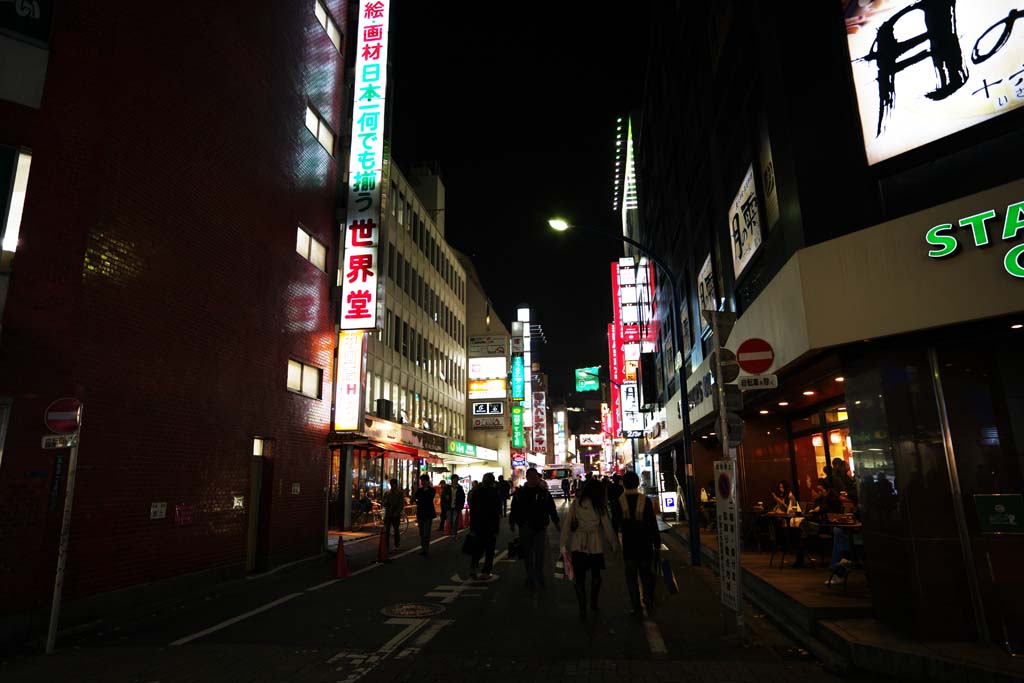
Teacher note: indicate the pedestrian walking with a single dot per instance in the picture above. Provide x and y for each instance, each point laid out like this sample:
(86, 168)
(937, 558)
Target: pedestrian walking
(566, 485)
(614, 491)
(425, 513)
(640, 543)
(484, 511)
(394, 506)
(458, 498)
(504, 491)
(586, 533)
(533, 509)
(446, 503)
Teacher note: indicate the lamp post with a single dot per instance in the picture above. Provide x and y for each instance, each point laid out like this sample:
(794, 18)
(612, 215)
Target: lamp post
(561, 225)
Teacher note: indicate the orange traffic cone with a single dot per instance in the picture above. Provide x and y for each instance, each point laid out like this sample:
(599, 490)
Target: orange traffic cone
(382, 546)
(340, 565)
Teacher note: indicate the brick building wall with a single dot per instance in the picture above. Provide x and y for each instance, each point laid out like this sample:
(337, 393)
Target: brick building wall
(157, 280)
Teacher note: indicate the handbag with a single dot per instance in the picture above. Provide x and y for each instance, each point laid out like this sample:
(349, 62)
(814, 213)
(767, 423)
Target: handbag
(669, 576)
(564, 568)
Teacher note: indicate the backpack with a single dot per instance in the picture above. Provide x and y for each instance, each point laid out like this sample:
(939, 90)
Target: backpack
(641, 503)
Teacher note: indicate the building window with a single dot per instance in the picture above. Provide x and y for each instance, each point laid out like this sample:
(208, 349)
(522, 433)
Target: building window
(257, 446)
(304, 379)
(320, 130)
(12, 222)
(325, 19)
(310, 249)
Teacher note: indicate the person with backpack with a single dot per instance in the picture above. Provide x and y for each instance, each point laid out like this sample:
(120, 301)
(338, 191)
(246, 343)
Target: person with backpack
(425, 513)
(584, 534)
(504, 491)
(533, 509)
(640, 543)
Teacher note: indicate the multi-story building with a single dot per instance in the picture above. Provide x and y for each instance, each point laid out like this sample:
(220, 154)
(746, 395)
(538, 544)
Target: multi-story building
(822, 181)
(487, 416)
(168, 238)
(414, 387)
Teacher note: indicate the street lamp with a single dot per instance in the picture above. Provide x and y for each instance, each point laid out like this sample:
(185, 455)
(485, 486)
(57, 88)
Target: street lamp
(562, 225)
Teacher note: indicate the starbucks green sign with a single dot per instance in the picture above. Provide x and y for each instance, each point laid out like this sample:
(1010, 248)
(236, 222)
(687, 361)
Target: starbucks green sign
(945, 238)
(586, 379)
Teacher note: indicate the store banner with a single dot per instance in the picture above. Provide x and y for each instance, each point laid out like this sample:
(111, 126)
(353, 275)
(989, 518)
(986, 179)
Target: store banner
(540, 422)
(348, 388)
(707, 299)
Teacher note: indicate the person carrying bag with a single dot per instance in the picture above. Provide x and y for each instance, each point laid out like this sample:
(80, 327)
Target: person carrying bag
(640, 543)
(583, 536)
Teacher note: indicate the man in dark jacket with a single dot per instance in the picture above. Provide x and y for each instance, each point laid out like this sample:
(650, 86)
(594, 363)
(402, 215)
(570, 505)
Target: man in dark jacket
(640, 542)
(532, 509)
(424, 499)
(566, 485)
(484, 510)
(445, 493)
(504, 491)
(614, 491)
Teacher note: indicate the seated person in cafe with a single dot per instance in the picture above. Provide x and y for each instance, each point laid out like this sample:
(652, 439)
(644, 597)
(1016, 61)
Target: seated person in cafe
(840, 480)
(785, 501)
(825, 501)
(365, 504)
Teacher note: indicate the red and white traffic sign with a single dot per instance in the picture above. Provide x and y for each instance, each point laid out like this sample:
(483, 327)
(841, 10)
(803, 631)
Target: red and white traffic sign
(63, 416)
(755, 356)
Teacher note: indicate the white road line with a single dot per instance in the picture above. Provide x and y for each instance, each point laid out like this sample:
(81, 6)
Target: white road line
(431, 631)
(654, 639)
(411, 626)
(275, 603)
(235, 620)
(283, 566)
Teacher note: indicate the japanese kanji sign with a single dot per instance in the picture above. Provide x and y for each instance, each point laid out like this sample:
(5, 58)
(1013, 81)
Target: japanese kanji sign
(540, 422)
(360, 266)
(925, 69)
(348, 396)
(706, 298)
(744, 223)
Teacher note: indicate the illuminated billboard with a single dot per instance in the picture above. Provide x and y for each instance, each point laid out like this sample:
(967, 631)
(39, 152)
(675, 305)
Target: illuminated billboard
(348, 389)
(518, 379)
(516, 413)
(587, 379)
(925, 70)
(487, 388)
(488, 368)
(360, 266)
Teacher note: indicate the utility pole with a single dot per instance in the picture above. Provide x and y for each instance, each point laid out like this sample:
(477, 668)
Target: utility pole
(727, 483)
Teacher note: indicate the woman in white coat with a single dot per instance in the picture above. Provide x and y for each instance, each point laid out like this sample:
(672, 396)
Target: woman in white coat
(585, 532)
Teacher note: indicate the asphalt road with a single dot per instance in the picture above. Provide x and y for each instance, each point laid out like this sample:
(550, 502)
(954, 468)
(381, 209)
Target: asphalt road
(299, 624)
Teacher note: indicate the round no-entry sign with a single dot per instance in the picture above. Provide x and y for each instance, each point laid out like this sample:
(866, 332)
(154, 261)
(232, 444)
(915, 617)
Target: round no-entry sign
(755, 356)
(63, 416)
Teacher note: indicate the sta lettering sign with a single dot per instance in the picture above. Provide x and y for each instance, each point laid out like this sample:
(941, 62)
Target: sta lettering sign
(979, 229)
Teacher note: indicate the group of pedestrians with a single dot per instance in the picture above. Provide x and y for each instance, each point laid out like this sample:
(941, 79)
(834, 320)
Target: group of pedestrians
(599, 514)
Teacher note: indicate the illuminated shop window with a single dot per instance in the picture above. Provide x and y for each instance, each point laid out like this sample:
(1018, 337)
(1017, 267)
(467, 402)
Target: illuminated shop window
(304, 379)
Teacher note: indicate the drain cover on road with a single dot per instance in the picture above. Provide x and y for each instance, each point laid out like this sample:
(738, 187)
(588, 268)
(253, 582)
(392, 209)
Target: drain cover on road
(411, 609)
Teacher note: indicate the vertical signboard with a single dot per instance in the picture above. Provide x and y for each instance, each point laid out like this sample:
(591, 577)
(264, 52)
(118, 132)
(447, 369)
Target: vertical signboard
(615, 370)
(516, 414)
(771, 193)
(518, 379)
(744, 223)
(360, 301)
(728, 532)
(706, 298)
(540, 422)
(348, 389)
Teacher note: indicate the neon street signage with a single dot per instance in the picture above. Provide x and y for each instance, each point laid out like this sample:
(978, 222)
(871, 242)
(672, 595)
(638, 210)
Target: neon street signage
(348, 390)
(516, 412)
(360, 267)
(946, 244)
(461, 448)
(587, 379)
(518, 379)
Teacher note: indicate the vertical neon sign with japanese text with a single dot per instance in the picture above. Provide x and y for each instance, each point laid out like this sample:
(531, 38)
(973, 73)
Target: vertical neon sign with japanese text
(361, 238)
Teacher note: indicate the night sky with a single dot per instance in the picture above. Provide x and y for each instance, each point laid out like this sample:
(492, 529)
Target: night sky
(519, 110)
